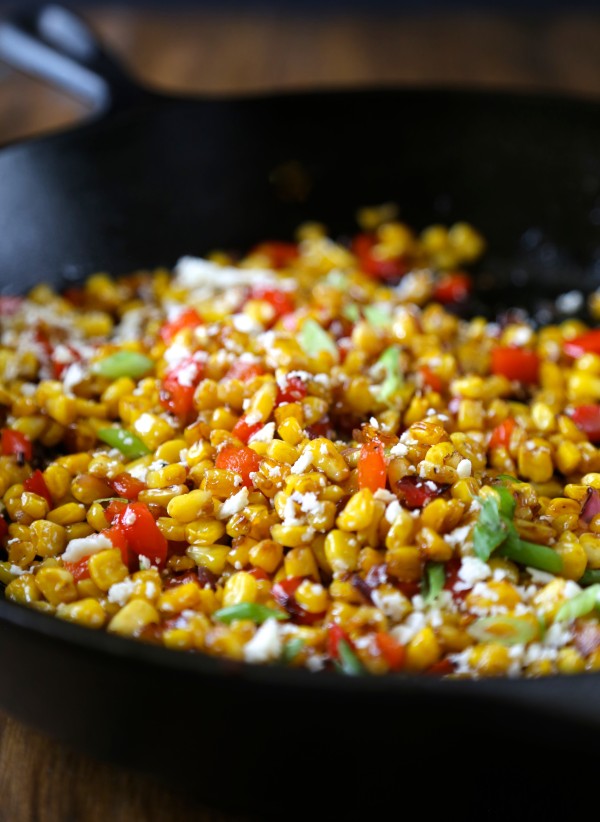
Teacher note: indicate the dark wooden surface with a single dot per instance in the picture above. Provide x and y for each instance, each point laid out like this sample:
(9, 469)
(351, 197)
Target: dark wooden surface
(39, 779)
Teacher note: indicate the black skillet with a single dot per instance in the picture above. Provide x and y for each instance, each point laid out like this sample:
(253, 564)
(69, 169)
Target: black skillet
(149, 178)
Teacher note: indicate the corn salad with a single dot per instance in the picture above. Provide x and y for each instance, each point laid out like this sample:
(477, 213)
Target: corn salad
(303, 457)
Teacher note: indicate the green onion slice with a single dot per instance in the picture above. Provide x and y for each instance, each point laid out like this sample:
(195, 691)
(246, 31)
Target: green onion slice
(536, 556)
(377, 316)
(505, 630)
(490, 530)
(590, 577)
(128, 444)
(248, 610)
(435, 577)
(580, 605)
(351, 312)
(393, 380)
(124, 364)
(291, 650)
(348, 662)
(314, 339)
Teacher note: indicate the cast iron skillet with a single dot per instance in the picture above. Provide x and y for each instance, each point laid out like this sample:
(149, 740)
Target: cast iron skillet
(149, 178)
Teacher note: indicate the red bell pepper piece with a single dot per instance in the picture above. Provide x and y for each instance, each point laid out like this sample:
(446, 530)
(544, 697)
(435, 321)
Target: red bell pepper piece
(189, 318)
(243, 461)
(588, 343)
(453, 287)
(243, 430)
(244, 371)
(15, 444)
(294, 391)
(372, 470)
(125, 485)
(431, 379)
(143, 537)
(501, 435)
(389, 269)
(335, 635)
(37, 485)
(516, 364)
(391, 650)
(283, 593)
(442, 667)
(416, 493)
(179, 386)
(281, 301)
(587, 418)
(79, 570)
(280, 254)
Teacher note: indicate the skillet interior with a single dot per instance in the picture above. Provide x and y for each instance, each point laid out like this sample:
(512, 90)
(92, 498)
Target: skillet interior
(147, 182)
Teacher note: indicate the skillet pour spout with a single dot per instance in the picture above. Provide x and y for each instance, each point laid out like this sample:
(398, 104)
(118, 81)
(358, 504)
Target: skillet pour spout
(149, 178)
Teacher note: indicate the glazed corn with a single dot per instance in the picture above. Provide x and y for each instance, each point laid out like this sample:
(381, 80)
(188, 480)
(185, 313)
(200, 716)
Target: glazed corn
(304, 457)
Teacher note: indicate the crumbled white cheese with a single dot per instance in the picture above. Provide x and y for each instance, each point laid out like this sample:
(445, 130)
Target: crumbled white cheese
(393, 510)
(303, 462)
(196, 273)
(244, 323)
(264, 434)
(120, 592)
(384, 495)
(459, 536)
(144, 423)
(414, 623)
(129, 517)
(234, 504)
(145, 562)
(393, 604)
(463, 469)
(471, 571)
(265, 645)
(543, 577)
(399, 450)
(86, 546)
(74, 374)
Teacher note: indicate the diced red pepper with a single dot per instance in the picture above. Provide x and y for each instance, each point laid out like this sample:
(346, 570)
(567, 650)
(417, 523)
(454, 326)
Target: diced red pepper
(37, 485)
(59, 367)
(79, 570)
(335, 635)
(501, 435)
(416, 493)
(15, 444)
(243, 430)
(588, 343)
(9, 305)
(125, 485)
(283, 593)
(372, 470)
(294, 391)
(388, 269)
(442, 667)
(179, 386)
(116, 534)
(453, 287)
(113, 509)
(587, 418)
(141, 532)
(409, 589)
(431, 379)
(244, 371)
(391, 650)
(243, 461)
(189, 318)
(516, 364)
(280, 254)
(281, 301)
(258, 573)
(453, 579)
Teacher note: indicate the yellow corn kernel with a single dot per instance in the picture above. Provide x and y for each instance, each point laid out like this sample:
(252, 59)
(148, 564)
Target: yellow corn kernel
(281, 451)
(33, 505)
(358, 512)
(267, 555)
(152, 430)
(583, 387)
(67, 514)
(422, 651)
(261, 404)
(404, 563)
(573, 554)
(465, 490)
(58, 480)
(535, 460)
(133, 618)
(212, 557)
(171, 529)
(466, 242)
(170, 451)
(567, 457)
(490, 659)
(220, 483)
(550, 598)
(204, 531)
(312, 597)
(290, 431)
(291, 536)
(62, 408)
(78, 530)
(23, 590)
(341, 551)
(56, 584)
(87, 488)
(189, 507)
(570, 661)
(107, 568)
(328, 459)
(240, 587)
(21, 552)
(87, 612)
(174, 474)
(591, 545)
(433, 546)
(96, 518)
(402, 530)
(49, 538)
(301, 562)
(178, 599)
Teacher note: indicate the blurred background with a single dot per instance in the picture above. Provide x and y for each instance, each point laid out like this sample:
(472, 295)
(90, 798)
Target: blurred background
(225, 46)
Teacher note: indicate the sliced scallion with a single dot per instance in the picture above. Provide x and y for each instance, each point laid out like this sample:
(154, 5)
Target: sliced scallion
(377, 316)
(536, 556)
(124, 364)
(291, 650)
(248, 610)
(579, 605)
(590, 577)
(505, 630)
(351, 312)
(314, 340)
(435, 577)
(129, 444)
(389, 362)
(348, 662)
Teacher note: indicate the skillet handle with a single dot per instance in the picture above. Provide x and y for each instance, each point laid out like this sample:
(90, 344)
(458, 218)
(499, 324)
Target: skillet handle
(55, 45)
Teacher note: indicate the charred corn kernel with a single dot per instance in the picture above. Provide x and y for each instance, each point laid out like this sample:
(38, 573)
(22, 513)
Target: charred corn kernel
(87, 612)
(175, 474)
(591, 546)
(301, 562)
(33, 505)
(204, 531)
(573, 554)
(404, 563)
(212, 557)
(21, 552)
(87, 488)
(24, 590)
(240, 587)
(490, 659)
(341, 551)
(107, 568)
(171, 529)
(56, 585)
(220, 483)
(161, 496)
(67, 514)
(49, 538)
(312, 597)
(422, 651)
(358, 512)
(189, 507)
(328, 459)
(133, 618)
(267, 555)
(178, 599)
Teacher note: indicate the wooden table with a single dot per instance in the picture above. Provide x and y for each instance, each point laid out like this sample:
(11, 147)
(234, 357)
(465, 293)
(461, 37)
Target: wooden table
(208, 51)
